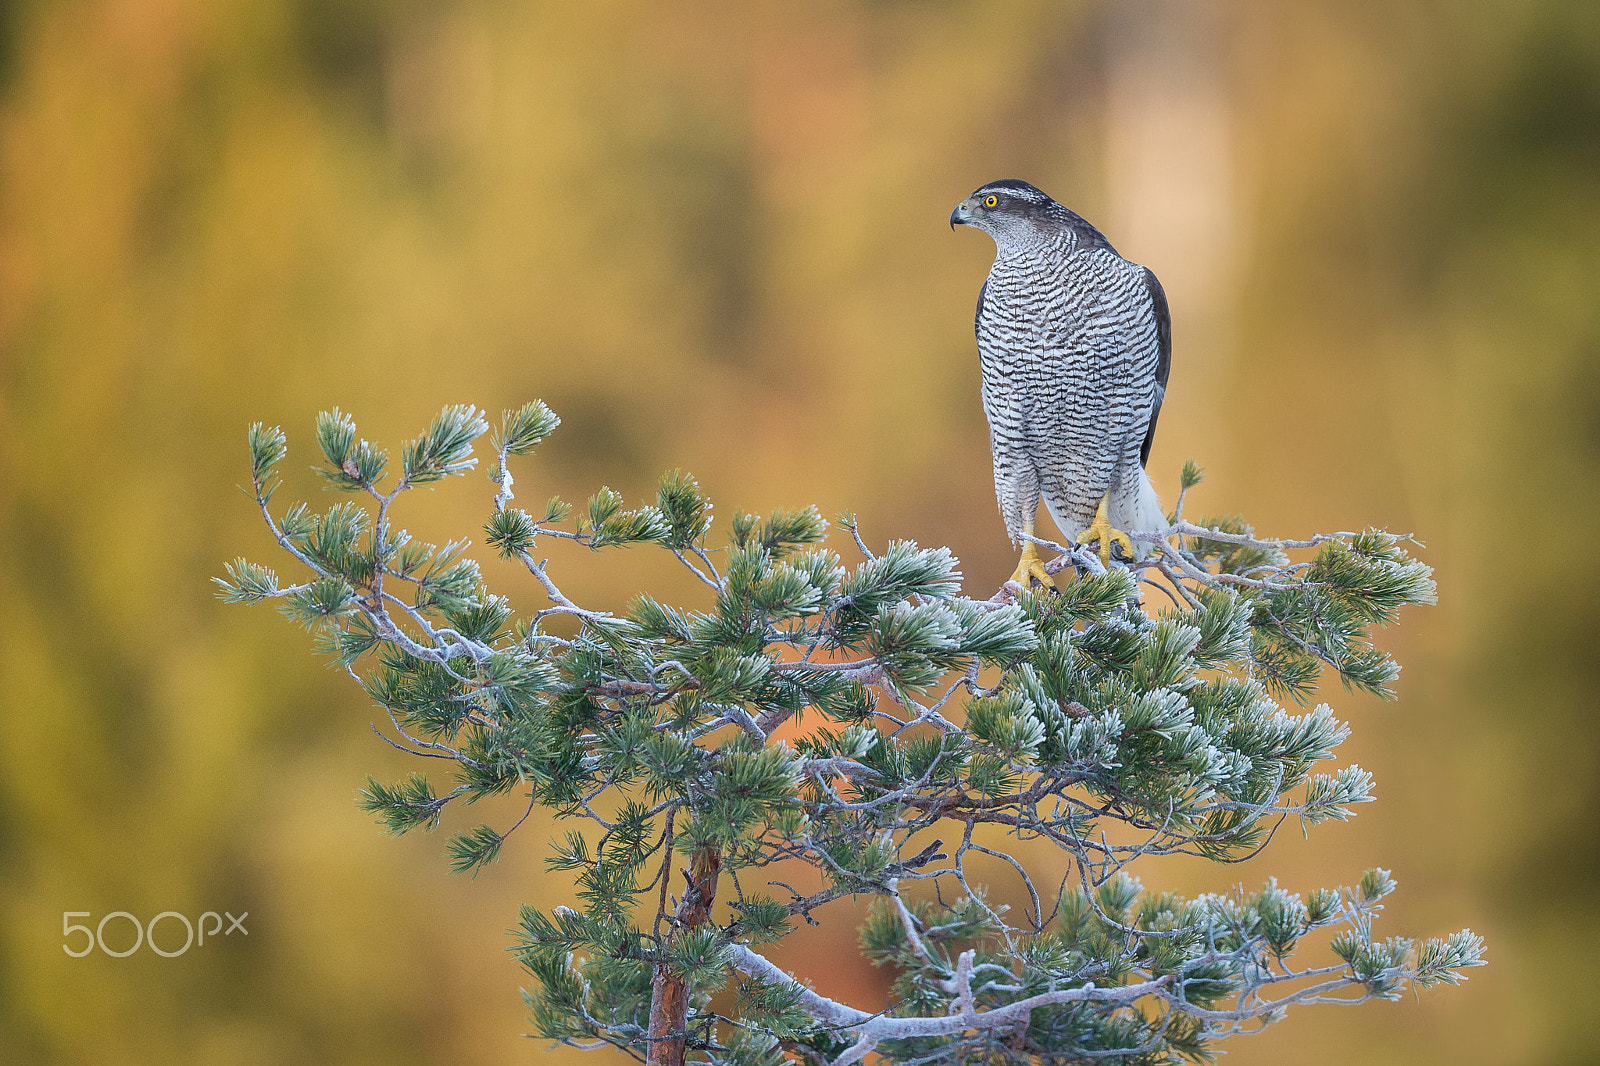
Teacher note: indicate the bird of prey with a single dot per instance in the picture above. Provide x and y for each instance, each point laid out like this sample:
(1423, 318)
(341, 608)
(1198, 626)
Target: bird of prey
(1074, 343)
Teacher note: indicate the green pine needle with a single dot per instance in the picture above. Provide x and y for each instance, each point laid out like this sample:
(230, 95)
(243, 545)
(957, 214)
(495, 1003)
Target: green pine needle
(402, 807)
(470, 852)
(521, 430)
(246, 583)
(446, 448)
(267, 449)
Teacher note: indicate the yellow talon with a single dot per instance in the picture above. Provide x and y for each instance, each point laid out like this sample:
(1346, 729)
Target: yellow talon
(1031, 568)
(1103, 531)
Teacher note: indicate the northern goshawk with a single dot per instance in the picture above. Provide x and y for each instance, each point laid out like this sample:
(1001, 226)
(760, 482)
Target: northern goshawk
(1075, 343)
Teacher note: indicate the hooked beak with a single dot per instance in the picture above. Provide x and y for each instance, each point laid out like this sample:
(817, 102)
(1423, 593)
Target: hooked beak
(959, 216)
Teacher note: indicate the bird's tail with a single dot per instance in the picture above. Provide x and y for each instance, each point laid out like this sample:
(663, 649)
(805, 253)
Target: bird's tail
(1142, 514)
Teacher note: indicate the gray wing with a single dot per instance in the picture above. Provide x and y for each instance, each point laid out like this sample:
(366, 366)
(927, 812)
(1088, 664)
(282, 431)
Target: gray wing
(1158, 300)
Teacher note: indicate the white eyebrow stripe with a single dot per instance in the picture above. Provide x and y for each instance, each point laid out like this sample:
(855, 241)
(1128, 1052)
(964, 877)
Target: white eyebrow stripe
(1021, 194)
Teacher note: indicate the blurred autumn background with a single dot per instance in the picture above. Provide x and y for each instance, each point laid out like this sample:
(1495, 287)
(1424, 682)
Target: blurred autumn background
(713, 236)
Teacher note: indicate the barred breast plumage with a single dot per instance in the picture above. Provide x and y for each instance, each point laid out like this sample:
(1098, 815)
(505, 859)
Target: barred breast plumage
(1074, 343)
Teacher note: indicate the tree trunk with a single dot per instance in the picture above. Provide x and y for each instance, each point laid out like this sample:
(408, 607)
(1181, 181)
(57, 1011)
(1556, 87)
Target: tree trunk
(669, 998)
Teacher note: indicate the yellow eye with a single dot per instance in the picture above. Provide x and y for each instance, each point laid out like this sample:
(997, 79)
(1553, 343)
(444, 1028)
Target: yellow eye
(990, 200)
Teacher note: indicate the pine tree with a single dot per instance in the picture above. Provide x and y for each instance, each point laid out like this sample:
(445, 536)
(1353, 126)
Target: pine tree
(929, 729)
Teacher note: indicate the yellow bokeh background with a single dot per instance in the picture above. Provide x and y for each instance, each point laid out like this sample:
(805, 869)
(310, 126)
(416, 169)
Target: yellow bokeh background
(712, 236)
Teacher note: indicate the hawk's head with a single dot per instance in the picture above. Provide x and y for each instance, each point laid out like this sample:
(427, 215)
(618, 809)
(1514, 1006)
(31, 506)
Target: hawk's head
(1005, 205)
(1016, 214)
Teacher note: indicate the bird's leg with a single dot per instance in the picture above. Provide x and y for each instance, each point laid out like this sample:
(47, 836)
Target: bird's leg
(1102, 530)
(1030, 567)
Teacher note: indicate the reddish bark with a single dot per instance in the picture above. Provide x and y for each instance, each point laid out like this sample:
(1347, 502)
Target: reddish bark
(669, 998)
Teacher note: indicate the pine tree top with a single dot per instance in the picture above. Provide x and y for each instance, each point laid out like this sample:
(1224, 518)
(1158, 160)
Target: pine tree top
(1134, 713)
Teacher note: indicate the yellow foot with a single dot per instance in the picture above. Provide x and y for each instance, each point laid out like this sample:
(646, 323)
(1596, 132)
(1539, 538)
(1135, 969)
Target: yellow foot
(1103, 531)
(1030, 568)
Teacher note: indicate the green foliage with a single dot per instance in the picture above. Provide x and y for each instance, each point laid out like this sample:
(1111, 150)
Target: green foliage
(403, 807)
(763, 919)
(685, 511)
(781, 532)
(1083, 717)
(609, 525)
(446, 448)
(247, 583)
(352, 465)
(267, 449)
(511, 532)
(473, 850)
(521, 430)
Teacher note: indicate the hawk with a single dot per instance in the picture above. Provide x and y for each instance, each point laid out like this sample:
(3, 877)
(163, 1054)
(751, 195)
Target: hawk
(1075, 343)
